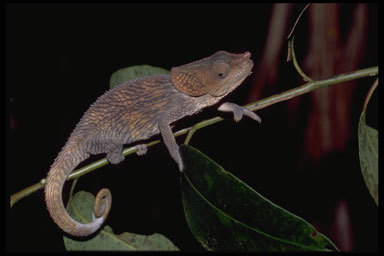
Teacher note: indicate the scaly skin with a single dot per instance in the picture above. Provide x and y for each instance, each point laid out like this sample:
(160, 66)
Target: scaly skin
(137, 110)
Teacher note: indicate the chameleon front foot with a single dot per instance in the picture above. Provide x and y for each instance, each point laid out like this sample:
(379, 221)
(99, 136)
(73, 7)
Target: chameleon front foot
(180, 160)
(238, 111)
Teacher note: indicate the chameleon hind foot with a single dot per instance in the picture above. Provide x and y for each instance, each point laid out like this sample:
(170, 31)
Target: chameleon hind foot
(115, 155)
(141, 149)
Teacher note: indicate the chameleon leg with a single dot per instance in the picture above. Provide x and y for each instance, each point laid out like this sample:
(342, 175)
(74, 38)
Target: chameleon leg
(114, 155)
(171, 144)
(238, 111)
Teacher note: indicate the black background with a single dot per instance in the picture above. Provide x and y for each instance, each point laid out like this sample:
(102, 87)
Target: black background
(59, 58)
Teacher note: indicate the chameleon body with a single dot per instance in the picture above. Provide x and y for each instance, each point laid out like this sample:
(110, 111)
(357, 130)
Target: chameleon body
(137, 110)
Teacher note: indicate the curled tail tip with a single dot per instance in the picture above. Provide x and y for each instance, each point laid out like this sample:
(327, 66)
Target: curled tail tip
(103, 203)
(53, 198)
(60, 216)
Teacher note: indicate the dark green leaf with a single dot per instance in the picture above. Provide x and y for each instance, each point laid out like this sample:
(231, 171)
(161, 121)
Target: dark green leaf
(125, 74)
(80, 208)
(368, 153)
(225, 214)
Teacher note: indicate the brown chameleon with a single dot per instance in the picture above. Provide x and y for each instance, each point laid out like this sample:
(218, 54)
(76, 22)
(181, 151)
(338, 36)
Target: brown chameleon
(137, 110)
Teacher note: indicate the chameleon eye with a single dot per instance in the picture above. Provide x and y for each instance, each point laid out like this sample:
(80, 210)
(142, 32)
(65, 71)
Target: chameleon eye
(221, 69)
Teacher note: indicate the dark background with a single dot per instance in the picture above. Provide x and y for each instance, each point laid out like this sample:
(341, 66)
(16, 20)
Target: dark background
(59, 58)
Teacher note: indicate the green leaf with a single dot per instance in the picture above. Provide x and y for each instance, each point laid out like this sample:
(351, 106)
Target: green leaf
(125, 74)
(225, 214)
(368, 153)
(80, 208)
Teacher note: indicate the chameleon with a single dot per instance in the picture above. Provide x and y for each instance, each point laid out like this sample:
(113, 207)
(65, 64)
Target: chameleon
(137, 110)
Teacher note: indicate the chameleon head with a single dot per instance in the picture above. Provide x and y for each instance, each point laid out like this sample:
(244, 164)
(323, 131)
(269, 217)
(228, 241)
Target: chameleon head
(216, 75)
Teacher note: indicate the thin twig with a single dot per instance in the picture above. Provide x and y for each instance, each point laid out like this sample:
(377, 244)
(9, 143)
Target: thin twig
(292, 55)
(369, 94)
(297, 20)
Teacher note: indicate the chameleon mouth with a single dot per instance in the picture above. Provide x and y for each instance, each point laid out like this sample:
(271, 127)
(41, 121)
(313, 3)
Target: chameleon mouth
(245, 69)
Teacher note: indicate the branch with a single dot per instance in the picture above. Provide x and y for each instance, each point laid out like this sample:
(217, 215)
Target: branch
(260, 104)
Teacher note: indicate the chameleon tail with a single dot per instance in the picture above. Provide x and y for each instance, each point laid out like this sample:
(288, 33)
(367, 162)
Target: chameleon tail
(70, 156)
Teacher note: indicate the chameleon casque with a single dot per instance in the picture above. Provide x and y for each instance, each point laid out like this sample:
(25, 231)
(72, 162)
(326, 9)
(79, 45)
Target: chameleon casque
(137, 110)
